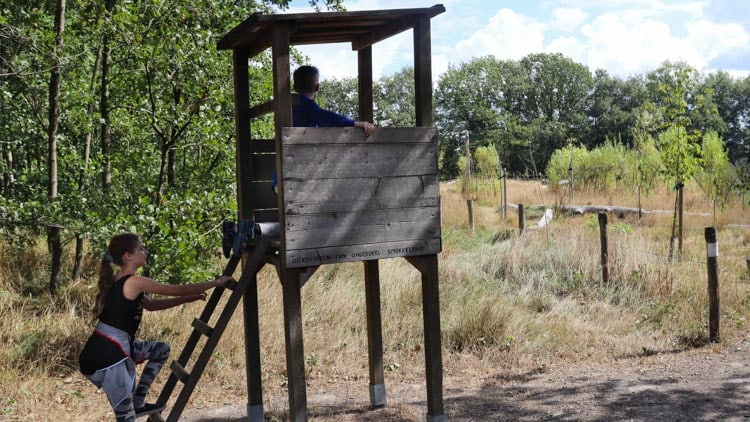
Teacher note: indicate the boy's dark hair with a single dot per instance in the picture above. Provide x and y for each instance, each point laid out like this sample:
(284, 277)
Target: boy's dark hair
(305, 78)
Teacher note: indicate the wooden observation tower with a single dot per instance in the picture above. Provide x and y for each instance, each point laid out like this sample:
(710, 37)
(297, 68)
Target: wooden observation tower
(340, 197)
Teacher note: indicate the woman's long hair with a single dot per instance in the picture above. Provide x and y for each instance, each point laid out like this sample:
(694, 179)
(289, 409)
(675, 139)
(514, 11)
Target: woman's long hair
(126, 242)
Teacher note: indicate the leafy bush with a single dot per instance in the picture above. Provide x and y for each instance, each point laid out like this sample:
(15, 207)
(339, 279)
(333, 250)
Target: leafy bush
(717, 177)
(611, 166)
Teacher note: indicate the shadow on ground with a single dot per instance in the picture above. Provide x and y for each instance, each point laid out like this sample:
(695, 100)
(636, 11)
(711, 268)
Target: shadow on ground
(709, 387)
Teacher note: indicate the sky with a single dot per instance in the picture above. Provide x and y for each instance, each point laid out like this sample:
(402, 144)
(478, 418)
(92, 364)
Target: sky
(624, 37)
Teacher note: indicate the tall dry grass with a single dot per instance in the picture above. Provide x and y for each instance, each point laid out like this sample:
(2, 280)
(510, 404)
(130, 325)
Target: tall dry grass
(509, 303)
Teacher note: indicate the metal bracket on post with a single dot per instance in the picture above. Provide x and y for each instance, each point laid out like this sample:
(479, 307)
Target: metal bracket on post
(255, 413)
(377, 395)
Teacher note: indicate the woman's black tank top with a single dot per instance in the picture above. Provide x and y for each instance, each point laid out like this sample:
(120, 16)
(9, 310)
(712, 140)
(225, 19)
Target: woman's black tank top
(121, 312)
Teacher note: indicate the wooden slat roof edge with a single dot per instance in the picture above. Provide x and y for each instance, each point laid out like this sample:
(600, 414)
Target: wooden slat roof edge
(259, 22)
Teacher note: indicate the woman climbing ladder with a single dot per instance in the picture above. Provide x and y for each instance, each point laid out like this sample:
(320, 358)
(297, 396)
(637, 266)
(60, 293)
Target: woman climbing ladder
(109, 357)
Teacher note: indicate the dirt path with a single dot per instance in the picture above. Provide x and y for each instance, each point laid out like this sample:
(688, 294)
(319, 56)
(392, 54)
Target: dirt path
(706, 384)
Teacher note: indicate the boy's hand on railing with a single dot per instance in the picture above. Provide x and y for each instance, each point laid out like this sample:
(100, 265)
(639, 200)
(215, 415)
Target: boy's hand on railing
(367, 127)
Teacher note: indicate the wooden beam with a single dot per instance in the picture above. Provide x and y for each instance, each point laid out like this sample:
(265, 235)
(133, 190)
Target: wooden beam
(374, 333)
(330, 255)
(385, 32)
(261, 109)
(245, 199)
(432, 342)
(307, 273)
(364, 64)
(282, 111)
(295, 353)
(254, 377)
(348, 135)
(423, 72)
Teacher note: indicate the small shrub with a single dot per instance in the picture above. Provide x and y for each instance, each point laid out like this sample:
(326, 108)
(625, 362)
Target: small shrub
(480, 325)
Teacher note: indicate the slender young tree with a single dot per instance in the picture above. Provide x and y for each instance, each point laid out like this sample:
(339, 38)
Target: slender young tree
(53, 232)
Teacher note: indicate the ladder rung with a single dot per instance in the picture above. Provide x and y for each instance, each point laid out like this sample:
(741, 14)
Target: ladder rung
(179, 372)
(202, 327)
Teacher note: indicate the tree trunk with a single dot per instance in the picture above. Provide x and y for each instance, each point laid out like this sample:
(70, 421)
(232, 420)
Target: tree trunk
(162, 171)
(674, 225)
(171, 158)
(680, 192)
(86, 157)
(7, 153)
(8, 179)
(53, 232)
(106, 136)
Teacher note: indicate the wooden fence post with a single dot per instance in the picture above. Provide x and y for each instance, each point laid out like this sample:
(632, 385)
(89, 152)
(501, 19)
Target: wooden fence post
(570, 182)
(712, 264)
(470, 206)
(505, 195)
(605, 254)
(520, 218)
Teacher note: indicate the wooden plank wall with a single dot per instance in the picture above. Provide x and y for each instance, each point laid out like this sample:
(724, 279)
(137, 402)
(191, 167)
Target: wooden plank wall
(351, 198)
(263, 158)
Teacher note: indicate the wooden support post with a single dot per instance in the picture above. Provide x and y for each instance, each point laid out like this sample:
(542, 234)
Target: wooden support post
(712, 264)
(364, 84)
(295, 351)
(428, 266)
(423, 72)
(603, 241)
(374, 333)
(520, 218)
(245, 200)
(255, 412)
(282, 113)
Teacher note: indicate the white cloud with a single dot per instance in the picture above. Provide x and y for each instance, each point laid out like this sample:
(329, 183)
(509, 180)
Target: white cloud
(508, 35)
(569, 46)
(623, 36)
(627, 44)
(630, 42)
(568, 19)
(714, 39)
(333, 60)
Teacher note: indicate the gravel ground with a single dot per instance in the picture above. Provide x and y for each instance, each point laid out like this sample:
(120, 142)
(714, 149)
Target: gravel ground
(707, 384)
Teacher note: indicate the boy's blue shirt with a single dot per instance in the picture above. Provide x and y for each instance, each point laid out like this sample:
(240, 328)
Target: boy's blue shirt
(307, 113)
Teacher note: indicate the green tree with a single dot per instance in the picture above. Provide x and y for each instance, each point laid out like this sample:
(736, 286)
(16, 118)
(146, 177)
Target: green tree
(554, 104)
(468, 99)
(717, 177)
(161, 95)
(394, 99)
(340, 95)
(732, 99)
(613, 108)
(487, 162)
(678, 101)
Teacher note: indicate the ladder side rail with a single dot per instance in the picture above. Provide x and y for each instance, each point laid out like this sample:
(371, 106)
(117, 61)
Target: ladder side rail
(195, 336)
(251, 268)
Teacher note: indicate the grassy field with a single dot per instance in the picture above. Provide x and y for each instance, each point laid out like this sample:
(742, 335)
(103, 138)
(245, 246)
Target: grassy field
(510, 304)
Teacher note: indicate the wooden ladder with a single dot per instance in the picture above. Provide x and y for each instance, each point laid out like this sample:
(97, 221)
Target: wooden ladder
(256, 259)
